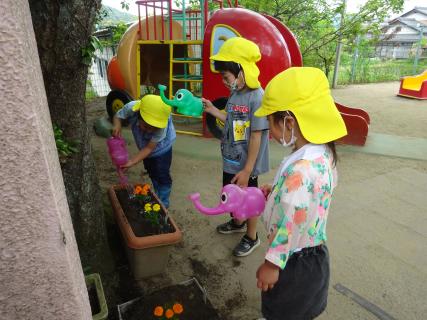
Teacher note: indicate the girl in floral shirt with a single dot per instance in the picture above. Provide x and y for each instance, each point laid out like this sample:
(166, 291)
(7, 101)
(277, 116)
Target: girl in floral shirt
(294, 277)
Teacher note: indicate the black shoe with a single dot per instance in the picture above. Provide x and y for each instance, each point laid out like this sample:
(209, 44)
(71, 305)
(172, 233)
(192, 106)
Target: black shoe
(231, 227)
(246, 246)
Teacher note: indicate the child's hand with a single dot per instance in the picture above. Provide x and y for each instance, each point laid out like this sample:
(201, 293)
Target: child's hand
(241, 178)
(117, 127)
(128, 164)
(116, 132)
(266, 189)
(267, 275)
(208, 106)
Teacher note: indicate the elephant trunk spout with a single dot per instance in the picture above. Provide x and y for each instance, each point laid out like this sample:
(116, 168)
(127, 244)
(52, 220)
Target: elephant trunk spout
(162, 89)
(195, 198)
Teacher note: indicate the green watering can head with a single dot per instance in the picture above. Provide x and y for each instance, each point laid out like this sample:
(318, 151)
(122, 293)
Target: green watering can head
(184, 101)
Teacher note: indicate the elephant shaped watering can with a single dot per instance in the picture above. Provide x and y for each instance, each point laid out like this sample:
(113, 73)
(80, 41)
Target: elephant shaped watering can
(243, 203)
(119, 155)
(184, 102)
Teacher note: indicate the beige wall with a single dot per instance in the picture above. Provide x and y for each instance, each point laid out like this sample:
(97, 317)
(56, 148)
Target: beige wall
(40, 271)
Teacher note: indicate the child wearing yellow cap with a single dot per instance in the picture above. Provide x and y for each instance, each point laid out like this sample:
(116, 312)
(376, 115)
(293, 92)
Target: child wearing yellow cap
(244, 144)
(294, 275)
(154, 134)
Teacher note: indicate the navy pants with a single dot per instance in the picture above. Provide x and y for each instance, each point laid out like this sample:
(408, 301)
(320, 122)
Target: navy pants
(301, 293)
(158, 169)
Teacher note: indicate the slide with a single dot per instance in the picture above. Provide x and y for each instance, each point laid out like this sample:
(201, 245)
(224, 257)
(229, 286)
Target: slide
(357, 123)
(414, 87)
(356, 120)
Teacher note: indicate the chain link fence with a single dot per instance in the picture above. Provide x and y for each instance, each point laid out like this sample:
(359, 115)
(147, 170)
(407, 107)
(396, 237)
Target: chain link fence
(97, 81)
(366, 64)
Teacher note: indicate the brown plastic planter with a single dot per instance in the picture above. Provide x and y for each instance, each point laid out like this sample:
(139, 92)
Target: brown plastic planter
(147, 255)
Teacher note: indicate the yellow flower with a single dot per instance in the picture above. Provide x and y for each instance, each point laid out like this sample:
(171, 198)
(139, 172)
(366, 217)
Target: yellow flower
(156, 207)
(147, 207)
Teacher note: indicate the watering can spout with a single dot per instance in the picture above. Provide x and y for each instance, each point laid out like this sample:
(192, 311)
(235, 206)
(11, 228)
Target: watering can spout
(184, 101)
(162, 89)
(195, 198)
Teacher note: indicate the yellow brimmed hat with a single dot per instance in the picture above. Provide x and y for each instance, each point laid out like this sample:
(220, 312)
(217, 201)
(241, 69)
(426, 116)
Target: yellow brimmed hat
(244, 52)
(305, 92)
(153, 110)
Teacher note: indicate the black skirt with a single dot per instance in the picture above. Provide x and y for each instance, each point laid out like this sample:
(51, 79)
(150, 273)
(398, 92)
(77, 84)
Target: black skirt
(302, 289)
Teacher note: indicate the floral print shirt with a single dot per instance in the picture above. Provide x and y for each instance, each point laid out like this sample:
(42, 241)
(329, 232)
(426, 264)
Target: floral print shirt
(297, 208)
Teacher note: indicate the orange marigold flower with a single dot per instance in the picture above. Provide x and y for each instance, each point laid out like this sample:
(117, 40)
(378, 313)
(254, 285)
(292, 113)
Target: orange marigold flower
(169, 313)
(158, 311)
(138, 189)
(145, 188)
(177, 308)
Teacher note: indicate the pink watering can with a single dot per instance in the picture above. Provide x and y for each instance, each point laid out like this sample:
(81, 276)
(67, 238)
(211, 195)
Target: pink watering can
(119, 155)
(243, 203)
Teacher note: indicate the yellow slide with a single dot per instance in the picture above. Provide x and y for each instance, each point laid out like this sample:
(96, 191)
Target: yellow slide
(415, 82)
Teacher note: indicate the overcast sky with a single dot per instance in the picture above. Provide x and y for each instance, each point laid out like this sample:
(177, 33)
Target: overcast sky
(352, 5)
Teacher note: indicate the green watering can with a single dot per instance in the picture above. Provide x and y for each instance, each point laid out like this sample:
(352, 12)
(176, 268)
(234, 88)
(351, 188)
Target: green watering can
(184, 102)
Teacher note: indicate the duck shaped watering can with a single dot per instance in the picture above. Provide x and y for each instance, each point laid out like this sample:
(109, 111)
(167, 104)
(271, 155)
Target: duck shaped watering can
(184, 102)
(243, 203)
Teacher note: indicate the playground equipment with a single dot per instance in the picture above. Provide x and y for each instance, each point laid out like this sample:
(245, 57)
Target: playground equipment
(414, 87)
(243, 203)
(184, 102)
(119, 155)
(172, 46)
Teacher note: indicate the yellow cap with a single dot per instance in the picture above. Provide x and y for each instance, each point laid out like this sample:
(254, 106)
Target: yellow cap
(153, 110)
(305, 92)
(244, 52)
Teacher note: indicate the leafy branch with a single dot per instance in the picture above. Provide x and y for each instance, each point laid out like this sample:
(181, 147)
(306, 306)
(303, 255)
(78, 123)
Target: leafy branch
(88, 52)
(65, 148)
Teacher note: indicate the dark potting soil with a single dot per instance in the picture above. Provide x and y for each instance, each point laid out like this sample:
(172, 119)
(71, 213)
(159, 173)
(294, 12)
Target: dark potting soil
(93, 299)
(188, 295)
(140, 223)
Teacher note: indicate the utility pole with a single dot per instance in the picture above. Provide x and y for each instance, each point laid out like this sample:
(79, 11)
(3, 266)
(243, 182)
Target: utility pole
(355, 57)
(421, 28)
(339, 45)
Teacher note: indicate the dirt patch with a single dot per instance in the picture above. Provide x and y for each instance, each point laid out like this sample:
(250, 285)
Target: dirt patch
(189, 296)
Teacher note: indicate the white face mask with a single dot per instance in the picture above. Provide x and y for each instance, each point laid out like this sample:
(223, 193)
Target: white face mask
(234, 86)
(282, 139)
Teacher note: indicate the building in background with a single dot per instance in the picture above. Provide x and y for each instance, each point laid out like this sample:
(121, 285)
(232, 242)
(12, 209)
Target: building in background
(97, 77)
(401, 36)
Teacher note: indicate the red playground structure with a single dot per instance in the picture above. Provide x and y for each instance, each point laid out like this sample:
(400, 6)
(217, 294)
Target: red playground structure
(172, 47)
(414, 87)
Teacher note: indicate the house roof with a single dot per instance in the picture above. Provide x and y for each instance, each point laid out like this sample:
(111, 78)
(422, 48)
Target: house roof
(400, 38)
(411, 23)
(397, 36)
(422, 10)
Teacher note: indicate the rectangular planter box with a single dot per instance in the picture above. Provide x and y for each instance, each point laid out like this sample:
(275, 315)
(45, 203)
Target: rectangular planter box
(94, 281)
(147, 255)
(192, 296)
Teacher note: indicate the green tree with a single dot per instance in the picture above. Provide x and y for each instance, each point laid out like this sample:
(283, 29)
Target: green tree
(63, 32)
(316, 23)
